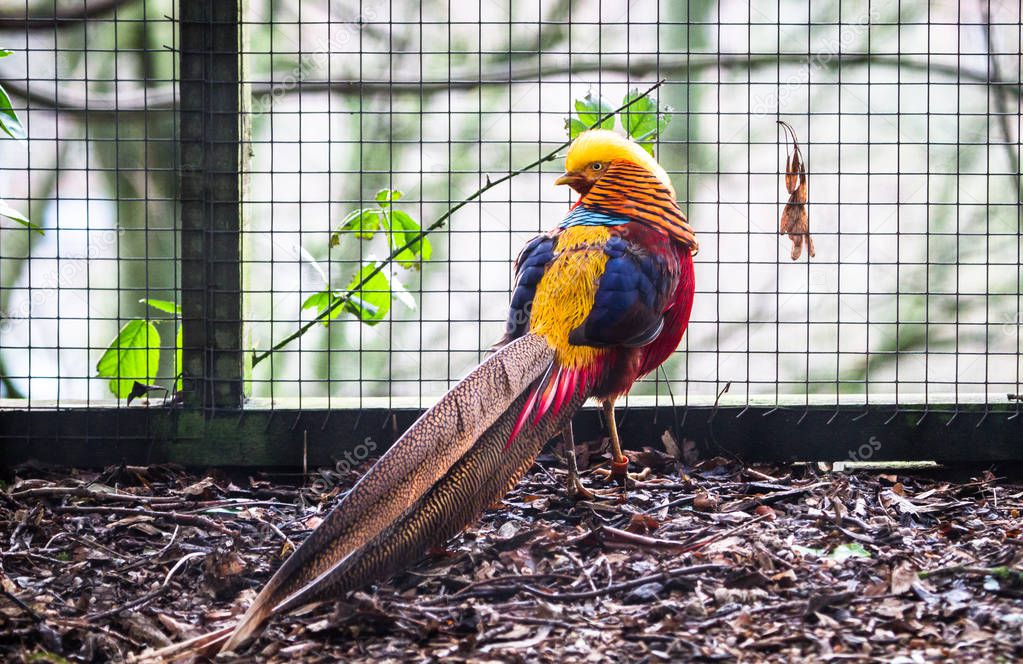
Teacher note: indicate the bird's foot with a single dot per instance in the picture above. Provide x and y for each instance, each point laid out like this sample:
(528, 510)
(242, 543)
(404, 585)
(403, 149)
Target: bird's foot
(578, 491)
(626, 478)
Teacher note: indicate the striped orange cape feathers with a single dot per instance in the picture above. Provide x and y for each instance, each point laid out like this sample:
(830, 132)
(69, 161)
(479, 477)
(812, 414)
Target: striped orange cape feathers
(630, 190)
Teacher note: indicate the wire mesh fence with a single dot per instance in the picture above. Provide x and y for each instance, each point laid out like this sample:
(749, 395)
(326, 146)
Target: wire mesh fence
(907, 114)
(96, 172)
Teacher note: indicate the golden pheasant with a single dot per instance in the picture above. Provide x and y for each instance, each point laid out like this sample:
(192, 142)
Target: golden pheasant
(599, 301)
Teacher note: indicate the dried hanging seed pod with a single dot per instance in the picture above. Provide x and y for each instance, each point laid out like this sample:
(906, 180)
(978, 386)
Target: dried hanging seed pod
(794, 218)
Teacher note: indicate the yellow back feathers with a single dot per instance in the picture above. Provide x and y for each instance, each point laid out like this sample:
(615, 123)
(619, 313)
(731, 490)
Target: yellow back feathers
(564, 297)
(606, 146)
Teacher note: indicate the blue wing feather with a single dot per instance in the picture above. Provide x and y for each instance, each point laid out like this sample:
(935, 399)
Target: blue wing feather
(529, 269)
(628, 308)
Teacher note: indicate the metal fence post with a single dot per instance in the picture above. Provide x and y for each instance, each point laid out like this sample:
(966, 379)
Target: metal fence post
(211, 128)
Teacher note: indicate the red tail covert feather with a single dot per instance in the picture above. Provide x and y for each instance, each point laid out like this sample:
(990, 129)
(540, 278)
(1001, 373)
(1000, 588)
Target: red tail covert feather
(565, 388)
(520, 421)
(550, 393)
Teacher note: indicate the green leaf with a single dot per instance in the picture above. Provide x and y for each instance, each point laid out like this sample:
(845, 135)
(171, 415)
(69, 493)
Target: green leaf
(317, 301)
(165, 306)
(4, 52)
(173, 308)
(387, 196)
(321, 302)
(364, 223)
(133, 356)
(178, 364)
(406, 229)
(9, 122)
(9, 212)
(372, 301)
(843, 552)
(806, 550)
(574, 127)
(642, 120)
(590, 109)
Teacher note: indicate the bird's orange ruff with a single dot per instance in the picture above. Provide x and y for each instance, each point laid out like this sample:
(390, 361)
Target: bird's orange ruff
(630, 190)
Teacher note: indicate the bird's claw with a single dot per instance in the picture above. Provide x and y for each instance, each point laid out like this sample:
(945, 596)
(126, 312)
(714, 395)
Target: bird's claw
(577, 491)
(627, 479)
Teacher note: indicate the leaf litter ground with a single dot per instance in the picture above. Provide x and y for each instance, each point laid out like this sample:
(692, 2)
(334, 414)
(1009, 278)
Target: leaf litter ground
(719, 562)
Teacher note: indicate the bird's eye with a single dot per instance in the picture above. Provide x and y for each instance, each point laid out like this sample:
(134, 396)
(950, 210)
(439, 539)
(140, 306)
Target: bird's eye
(596, 165)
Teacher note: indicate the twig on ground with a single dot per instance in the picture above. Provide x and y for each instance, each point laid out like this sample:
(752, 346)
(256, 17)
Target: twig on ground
(612, 535)
(624, 585)
(173, 517)
(151, 595)
(82, 492)
(36, 618)
(725, 533)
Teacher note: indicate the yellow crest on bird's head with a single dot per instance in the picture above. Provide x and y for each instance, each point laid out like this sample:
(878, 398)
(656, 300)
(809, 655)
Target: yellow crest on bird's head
(604, 145)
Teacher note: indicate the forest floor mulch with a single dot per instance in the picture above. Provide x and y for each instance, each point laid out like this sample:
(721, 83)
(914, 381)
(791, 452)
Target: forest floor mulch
(716, 562)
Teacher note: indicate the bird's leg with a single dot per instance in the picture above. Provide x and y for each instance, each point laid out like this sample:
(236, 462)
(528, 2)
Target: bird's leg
(619, 462)
(573, 484)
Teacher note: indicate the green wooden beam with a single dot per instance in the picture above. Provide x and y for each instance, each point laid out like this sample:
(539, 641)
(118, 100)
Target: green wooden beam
(211, 128)
(285, 438)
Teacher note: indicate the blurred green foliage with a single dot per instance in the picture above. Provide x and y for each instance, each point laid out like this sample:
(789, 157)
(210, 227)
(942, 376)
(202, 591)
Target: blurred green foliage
(12, 127)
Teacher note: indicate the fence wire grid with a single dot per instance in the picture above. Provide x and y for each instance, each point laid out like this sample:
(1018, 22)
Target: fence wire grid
(907, 113)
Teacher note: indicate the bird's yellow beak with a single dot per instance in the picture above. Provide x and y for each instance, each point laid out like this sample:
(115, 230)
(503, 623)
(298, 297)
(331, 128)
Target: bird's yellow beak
(571, 179)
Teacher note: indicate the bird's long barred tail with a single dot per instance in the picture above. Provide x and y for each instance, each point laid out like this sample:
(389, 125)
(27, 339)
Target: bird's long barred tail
(477, 480)
(436, 443)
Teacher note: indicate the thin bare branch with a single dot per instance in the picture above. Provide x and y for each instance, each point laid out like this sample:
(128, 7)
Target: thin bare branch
(62, 15)
(995, 74)
(164, 97)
